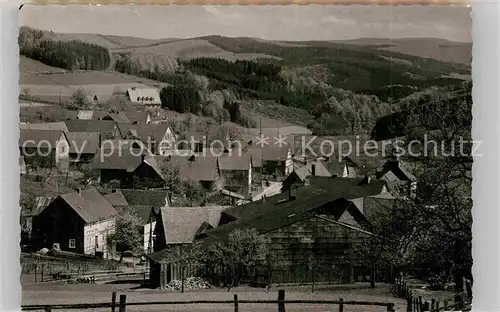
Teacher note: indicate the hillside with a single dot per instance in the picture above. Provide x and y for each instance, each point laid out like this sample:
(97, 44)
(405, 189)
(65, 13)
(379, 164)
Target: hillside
(330, 87)
(437, 49)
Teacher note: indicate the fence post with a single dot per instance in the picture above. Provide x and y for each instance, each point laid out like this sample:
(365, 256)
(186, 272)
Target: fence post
(420, 305)
(235, 302)
(41, 274)
(123, 299)
(113, 301)
(433, 304)
(437, 305)
(36, 277)
(281, 300)
(445, 305)
(390, 307)
(409, 303)
(341, 305)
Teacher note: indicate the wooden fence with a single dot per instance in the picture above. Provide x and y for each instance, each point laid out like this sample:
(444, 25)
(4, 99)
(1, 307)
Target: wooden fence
(418, 304)
(280, 303)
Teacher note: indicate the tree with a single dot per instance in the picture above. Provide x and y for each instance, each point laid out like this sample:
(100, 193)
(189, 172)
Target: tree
(243, 248)
(128, 235)
(79, 99)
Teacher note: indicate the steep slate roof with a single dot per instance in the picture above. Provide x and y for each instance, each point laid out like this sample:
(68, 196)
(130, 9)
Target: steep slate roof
(348, 187)
(90, 205)
(144, 131)
(144, 96)
(201, 168)
(305, 171)
(138, 116)
(235, 161)
(268, 216)
(83, 142)
(116, 199)
(60, 125)
(123, 159)
(104, 127)
(180, 224)
(154, 198)
(29, 136)
(256, 155)
(144, 212)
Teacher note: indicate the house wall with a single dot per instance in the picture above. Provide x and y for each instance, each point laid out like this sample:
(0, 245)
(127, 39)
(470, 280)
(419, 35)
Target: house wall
(257, 175)
(145, 176)
(315, 240)
(148, 233)
(95, 236)
(58, 223)
(237, 180)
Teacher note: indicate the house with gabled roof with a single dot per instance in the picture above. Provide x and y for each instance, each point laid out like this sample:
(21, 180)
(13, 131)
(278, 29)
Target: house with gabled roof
(83, 147)
(299, 175)
(79, 222)
(275, 161)
(133, 116)
(45, 148)
(59, 125)
(200, 169)
(146, 97)
(236, 171)
(160, 137)
(309, 225)
(178, 227)
(107, 128)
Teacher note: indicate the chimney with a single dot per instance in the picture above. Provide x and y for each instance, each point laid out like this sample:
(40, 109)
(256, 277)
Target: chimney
(313, 170)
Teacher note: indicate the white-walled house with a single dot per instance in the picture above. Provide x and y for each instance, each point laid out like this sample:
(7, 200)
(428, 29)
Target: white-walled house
(79, 222)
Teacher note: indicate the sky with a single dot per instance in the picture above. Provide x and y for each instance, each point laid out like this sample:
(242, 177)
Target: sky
(278, 22)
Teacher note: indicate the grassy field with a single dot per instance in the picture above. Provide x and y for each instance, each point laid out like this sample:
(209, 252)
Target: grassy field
(83, 293)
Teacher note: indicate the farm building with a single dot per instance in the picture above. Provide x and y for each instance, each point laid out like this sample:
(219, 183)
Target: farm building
(129, 167)
(309, 226)
(45, 148)
(178, 226)
(133, 117)
(200, 169)
(148, 98)
(236, 171)
(107, 128)
(276, 161)
(160, 138)
(79, 222)
(60, 126)
(300, 175)
(141, 203)
(83, 147)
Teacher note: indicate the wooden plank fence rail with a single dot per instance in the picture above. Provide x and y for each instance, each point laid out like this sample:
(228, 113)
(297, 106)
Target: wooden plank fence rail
(281, 303)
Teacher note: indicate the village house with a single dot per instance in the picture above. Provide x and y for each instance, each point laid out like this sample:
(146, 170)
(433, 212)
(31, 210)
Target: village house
(178, 227)
(142, 203)
(83, 147)
(147, 98)
(60, 125)
(45, 148)
(159, 138)
(133, 117)
(277, 162)
(108, 129)
(78, 222)
(300, 175)
(305, 226)
(127, 166)
(236, 171)
(199, 169)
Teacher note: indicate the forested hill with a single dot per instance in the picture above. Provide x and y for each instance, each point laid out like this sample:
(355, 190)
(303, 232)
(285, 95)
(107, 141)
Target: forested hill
(340, 87)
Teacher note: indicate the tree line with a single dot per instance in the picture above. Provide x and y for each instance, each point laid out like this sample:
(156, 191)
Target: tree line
(70, 55)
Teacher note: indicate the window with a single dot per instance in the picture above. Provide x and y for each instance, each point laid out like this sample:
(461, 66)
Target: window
(72, 243)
